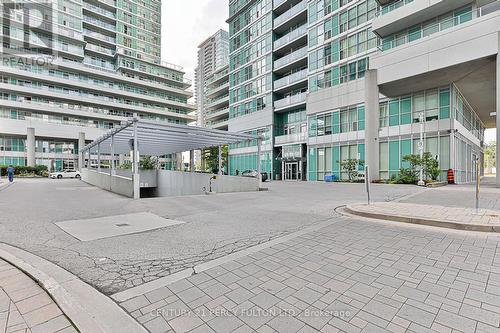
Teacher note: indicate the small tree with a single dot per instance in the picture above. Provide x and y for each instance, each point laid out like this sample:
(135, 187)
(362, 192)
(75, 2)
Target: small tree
(148, 163)
(211, 156)
(350, 165)
(431, 166)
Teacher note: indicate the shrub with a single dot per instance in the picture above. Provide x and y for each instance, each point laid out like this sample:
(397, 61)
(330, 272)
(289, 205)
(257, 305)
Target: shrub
(350, 165)
(38, 170)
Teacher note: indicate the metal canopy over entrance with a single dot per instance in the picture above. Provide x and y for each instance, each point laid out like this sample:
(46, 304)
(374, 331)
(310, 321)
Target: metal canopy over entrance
(154, 138)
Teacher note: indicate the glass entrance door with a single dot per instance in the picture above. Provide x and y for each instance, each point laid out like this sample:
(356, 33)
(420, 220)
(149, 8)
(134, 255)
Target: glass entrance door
(291, 170)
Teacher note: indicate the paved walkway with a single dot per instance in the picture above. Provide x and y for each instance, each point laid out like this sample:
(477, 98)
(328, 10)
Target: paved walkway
(467, 217)
(353, 275)
(26, 307)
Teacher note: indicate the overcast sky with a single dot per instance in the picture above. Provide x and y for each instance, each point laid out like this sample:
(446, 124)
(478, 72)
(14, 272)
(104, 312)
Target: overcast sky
(187, 23)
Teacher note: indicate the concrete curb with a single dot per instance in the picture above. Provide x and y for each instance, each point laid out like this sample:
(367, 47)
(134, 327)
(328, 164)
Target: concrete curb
(89, 310)
(423, 221)
(161, 282)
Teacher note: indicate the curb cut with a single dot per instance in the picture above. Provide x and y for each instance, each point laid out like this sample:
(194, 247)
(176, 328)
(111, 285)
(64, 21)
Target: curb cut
(88, 309)
(424, 221)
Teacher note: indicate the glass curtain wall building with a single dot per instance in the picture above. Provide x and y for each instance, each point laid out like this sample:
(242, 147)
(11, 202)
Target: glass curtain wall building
(78, 69)
(298, 76)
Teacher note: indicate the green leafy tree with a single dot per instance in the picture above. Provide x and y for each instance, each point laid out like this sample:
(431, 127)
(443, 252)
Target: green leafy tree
(431, 166)
(490, 156)
(148, 163)
(350, 166)
(211, 157)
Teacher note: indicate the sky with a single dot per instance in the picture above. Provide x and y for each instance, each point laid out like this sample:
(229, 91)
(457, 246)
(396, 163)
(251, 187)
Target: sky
(185, 25)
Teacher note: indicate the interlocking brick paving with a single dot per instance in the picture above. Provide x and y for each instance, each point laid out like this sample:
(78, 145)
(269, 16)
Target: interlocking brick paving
(351, 276)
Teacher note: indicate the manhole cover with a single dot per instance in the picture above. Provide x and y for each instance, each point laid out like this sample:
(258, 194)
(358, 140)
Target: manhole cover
(122, 224)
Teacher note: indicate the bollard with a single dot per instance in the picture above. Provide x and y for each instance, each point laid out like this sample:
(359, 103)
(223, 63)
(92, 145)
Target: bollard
(478, 184)
(367, 183)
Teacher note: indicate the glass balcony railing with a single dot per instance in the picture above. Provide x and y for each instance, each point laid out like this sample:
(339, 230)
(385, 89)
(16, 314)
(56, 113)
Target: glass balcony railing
(290, 79)
(99, 36)
(301, 6)
(99, 10)
(99, 23)
(291, 57)
(292, 35)
(395, 5)
(218, 100)
(290, 100)
(217, 111)
(430, 29)
(99, 49)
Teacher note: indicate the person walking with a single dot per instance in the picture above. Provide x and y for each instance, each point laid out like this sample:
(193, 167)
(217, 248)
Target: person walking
(10, 173)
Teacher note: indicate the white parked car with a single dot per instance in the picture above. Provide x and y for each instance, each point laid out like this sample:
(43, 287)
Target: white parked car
(65, 174)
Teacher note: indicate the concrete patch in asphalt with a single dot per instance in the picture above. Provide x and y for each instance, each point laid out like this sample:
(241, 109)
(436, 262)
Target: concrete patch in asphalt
(116, 225)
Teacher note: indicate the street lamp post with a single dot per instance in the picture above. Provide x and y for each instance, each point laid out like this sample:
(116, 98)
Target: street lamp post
(421, 149)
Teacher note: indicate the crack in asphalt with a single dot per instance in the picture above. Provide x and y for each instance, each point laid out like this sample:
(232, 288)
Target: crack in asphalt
(110, 276)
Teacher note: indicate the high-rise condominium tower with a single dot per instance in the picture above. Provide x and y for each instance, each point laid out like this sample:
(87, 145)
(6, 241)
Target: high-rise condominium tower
(328, 81)
(73, 69)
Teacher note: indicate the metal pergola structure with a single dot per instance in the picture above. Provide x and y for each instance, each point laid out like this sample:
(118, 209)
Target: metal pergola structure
(155, 138)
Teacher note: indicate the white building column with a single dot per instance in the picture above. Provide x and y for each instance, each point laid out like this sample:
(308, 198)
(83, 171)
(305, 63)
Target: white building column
(498, 118)
(81, 144)
(30, 147)
(372, 115)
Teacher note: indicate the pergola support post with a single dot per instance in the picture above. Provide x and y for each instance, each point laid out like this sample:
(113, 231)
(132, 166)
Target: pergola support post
(259, 166)
(220, 161)
(135, 160)
(99, 157)
(191, 160)
(112, 170)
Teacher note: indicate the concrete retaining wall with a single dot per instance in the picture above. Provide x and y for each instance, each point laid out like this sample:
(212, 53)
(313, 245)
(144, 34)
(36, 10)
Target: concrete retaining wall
(176, 183)
(117, 184)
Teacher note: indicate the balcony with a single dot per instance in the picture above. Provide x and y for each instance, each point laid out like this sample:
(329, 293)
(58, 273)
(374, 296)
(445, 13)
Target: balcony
(99, 49)
(293, 12)
(432, 29)
(218, 124)
(389, 8)
(404, 14)
(98, 23)
(99, 10)
(217, 114)
(100, 37)
(218, 101)
(294, 35)
(213, 91)
(290, 101)
(291, 79)
(291, 58)
(290, 138)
